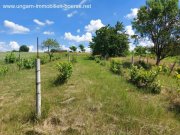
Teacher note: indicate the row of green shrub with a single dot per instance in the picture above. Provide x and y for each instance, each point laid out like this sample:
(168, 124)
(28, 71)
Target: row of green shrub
(141, 74)
(12, 58)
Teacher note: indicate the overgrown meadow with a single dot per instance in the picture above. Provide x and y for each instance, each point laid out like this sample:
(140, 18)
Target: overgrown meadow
(89, 95)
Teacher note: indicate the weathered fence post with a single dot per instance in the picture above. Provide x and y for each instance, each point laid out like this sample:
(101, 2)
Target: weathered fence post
(69, 57)
(38, 84)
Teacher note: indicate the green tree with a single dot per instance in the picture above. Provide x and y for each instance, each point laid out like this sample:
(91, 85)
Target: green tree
(73, 48)
(159, 21)
(111, 41)
(50, 44)
(140, 51)
(24, 48)
(81, 46)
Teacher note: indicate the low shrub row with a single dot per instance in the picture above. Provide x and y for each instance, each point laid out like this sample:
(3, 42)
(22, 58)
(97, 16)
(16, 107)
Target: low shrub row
(145, 79)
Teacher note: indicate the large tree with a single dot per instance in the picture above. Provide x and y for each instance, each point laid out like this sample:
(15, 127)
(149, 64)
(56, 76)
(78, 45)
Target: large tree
(73, 48)
(159, 21)
(81, 46)
(50, 44)
(111, 41)
(24, 48)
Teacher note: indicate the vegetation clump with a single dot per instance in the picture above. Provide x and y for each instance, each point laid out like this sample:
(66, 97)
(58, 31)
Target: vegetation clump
(10, 58)
(65, 72)
(116, 67)
(3, 70)
(145, 79)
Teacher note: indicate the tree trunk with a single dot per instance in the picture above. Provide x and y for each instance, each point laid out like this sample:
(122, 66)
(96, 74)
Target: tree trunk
(158, 61)
(172, 68)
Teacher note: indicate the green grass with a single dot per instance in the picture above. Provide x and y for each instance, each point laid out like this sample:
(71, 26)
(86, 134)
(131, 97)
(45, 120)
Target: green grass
(94, 101)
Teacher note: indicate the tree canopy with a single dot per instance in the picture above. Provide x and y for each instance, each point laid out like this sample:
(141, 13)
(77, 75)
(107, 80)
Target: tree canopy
(73, 48)
(81, 46)
(50, 44)
(111, 41)
(159, 21)
(24, 48)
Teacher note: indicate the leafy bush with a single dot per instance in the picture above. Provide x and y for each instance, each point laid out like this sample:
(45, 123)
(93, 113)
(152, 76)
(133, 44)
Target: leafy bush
(3, 70)
(145, 79)
(143, 64)
(164, 69)
(65, 72)
(26, 63)
(98, 60)
(10, 58)
(74, 59)
(29, 63)
(116, 67)
(178, 70)
(103, 63)
(44, 59)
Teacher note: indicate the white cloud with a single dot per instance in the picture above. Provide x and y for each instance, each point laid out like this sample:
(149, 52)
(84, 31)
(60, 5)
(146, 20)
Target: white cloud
(15, 28)
(48, 33)
(14, 45)
(39, 22)
(133, 13)
(49, 22)
(72, 14)
(31, 47)
(88, 49)
(94, 25)
(2, 46)
(63, 47)
(78, 30)
(129, 30)
(84, 38)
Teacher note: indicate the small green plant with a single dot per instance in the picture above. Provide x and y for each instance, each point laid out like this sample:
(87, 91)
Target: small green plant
(10, 58)
(116, 67)
(103, 63)
(178, 70)
(142, 64)
(65, 72)
(29, 63)
(74, 59)
(26, 63)
(146, 79)
(3, 70)
(98, 60)
(44, 60)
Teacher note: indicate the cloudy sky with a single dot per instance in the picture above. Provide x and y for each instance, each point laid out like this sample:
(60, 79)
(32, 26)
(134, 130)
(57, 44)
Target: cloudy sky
(69, 26)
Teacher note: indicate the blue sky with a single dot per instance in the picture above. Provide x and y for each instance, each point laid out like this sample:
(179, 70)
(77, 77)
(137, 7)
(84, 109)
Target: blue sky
(68, 27)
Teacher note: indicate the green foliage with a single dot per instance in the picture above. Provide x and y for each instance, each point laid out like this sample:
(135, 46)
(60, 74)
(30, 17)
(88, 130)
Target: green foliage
(44, 59)
(65, 72)
(74, 59)
(110, 41)
(103, 63)
(116, 67)
(165, 69)
(10, 58)
(140, 51)
(143, 64)
(81, 46)
(178, 70)
(26, 63)
(73, 48)
(50, 44)
(97, 60)
(145, 79)
(3, 70)
(24, 48)
(159, 21)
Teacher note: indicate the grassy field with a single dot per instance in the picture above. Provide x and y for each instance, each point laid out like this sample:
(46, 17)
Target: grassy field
(93, 101)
